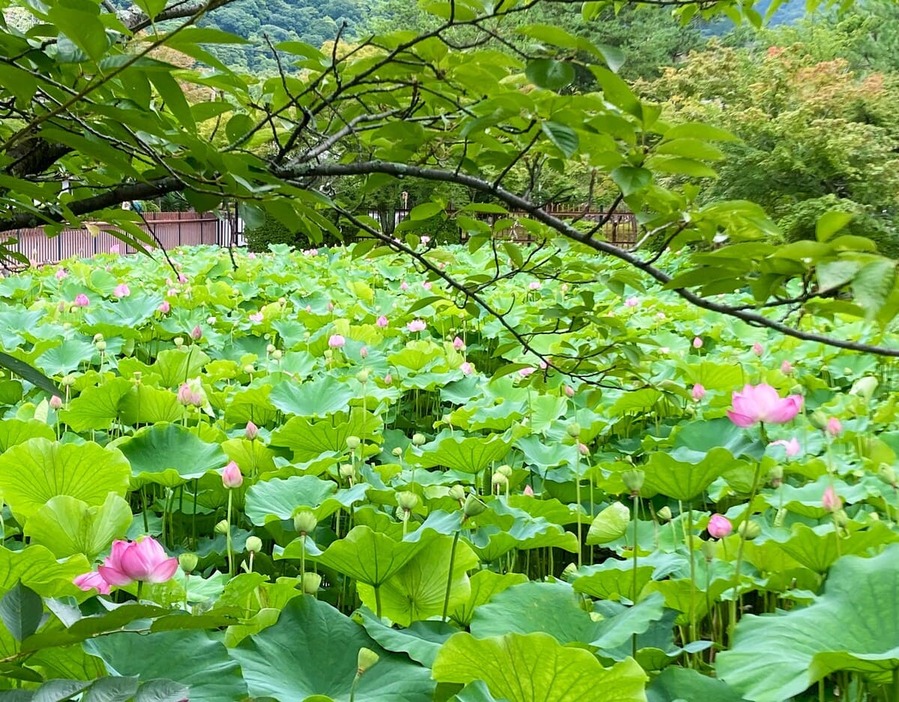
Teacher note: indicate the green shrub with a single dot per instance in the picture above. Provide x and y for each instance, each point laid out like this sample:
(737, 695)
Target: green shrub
(273, 231)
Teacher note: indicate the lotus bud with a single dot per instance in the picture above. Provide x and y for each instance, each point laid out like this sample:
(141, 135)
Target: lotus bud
(885, 472)
(473, 507)
(664, 514)
(633, 480)
(583, 449)
(304, 522)
(55, 402)
(505, 470)
(231, 476)
(365, 660)
(363, 353)
(196, 333)
(570, 572)
(254, 544)
(353, 442)
(251, 432)
(708, 550)
(397, 452)
(311, 583)
(418, 439)
(457, 492)
(749, 530)
(388, 379)
(719, 526)
(178, 341)
(101, 346)
(499, 481)
(98, 337)
(222, 527)
(362, 376)
(864, 387)
(249, 369)
(211, 321)
(818, 420)
(830, 500)
(407, 500)
(574, 430)
(776, 476)
(188, 562)
(569, 391)
(277, 355)
(270, 349)
(346, 470)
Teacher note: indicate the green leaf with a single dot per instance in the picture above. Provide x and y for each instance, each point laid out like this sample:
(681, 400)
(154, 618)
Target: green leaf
(67, 526)
(34, 472)
(631, 179)
(420, 641)
(312, 652)
(562, 136)
(39, 570)
(426, 211)
(80, 22)
(170, 455)
(609, 525)
(537, 668)
(21, 609)
(467, 454)
(171, 93)
(830, 223)
(29, 373)
(281, 499)
(317, 398)
(873, 285)
(550, 74)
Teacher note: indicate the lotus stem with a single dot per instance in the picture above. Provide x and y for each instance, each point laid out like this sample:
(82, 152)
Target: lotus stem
(229, 545)
(449, 577)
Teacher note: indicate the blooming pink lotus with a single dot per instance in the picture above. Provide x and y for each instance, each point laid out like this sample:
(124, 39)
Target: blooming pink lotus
(698, 392)
(61, 274)
(122, 290)
(165, 307)
(231, 476)
(336, 341)
(81, 300)
(631, 302)
(256, 317)
(92, 581)
(761, 403)
(466, 368)
(144, 560)
(458, 344)
(792, 446)
(416, 325)
(382, 321)
(719, 526)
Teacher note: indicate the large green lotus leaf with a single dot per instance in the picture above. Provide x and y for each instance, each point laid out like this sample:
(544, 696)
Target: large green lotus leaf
(685, 481)
(544, 410)
(485, 584)
(15, 321)
(817, 548)
(125, 316)
(170, 455)
(421, 641)
(417, 590)
(417, 355)
(66, 357)
(16, 431)
(854, 626)
(639, 401)
(253, 457)
(487, 416)
(38, 470)
(537, 668)
(693, 440)
(317, 398)
(503, 528)
(613, 579)
(96, 407)
(467, 454)
(251, 405)
(144, 404)
(309, 439)
(366, 555)
(281, 499)
(174, 366)
(678, 684)
(193, 658)
(67, 526)
(37, 568)
(546, 455)
(313, 651)
(550, 509)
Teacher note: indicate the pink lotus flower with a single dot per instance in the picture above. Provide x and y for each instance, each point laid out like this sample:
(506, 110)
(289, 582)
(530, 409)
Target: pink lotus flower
(786, 368)
(92, 581)
(251, 255)
(525, 372)
(758, 349)
(426, 240)
(256, 317)
(761, 403)
(569, 391)
(336, 341)
(231, 476)
(830, 500)
(631, 302)
(834, 426)
(404, 285)
(81, 300)
(388, 379)
(363, 352)
(416, 325)
(165, 307)
(719, 526)
(426, 285)
(583, 449)
(122, 290)
(61, 274)
(698, 392)
(182, 278)
(55, 402)
(382, 321)
(466, 368)
(458, 344)
(144, 560)
(533, 285)
(792, 446)
(697, 342)
(173, 292)
(196, 333)
(251, 432)
(528, 490)
(188, 397)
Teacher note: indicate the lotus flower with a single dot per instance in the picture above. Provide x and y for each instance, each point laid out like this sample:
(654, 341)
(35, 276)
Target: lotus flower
(830, 500)
(196, 333)
(761, 403)
(404, 285)
(698, 392)
(61, 274)
(92, 581)
(165, 307)
(256, 317)
(416, 325)
(569, 391)
(382, 321)
(144, 560)
(55, 402)
(458, 344)
(525, 372)
(533, 285)
(631, 302)
(792, 446)
(426, 285)
(697, 342)
(336, 341)
(122, 290)
(834, 426)
(719, 526)
(758, 349)
(528, 490)
(583, 449)
(466, 368)
(251, 432)
(182, 278)
(426, 240)
(191, 394)
(363, 352)
(388, 379)
(231, 476)
(81, 300)
(786, 368)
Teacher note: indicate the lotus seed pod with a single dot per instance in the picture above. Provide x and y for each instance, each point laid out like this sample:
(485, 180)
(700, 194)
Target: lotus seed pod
(311, 583)
(499, 480)
(633, 480)
(664, 514)
(277, 355)
(473, 507)
(505, 470)
(222, 527)
(574, 430)
(101, 346)
(353, 442)
(749, 530)
(362, 376)
(98, 337)
(407, 500)
(178, 341)
(254, 544)
(68, 380)
(188, 562)
(397, 452)
(304, 522)
(365, 660)
(249, 369)
(270, 349)
(346, 470)
(418, 439)
(818, 419)
(457, 492)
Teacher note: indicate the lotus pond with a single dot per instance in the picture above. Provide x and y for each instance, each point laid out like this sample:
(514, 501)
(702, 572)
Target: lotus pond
(315, 477)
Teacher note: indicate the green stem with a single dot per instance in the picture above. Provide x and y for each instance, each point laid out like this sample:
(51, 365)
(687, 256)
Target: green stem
(449, 577)
(634, 636)
(577, 477)
(230, 546)
(140, 589)
(746, 515)
(378, 602)
(692, 572)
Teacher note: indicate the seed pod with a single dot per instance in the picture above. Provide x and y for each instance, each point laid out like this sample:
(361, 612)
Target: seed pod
(304, 522)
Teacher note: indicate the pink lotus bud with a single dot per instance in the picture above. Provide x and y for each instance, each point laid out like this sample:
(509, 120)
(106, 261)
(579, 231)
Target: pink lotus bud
(528, 490)
(330, 306)
(363, 352)
(834, 426)
(61, 274)
(525, 372)
(382, 321)
(698, 392)
(786, 368)
(122, 290)
(336, 341)
(256, 317)
(231, 476)
(466, 368)
(404, 285)
(758, 349)
(81, 300)
(583, 449)
(416, 325)
(172, 292)
(426, 285)
(631, 302)
(251, 255)
(388, 379)
(719, 526)
(533, 285)
(92, 581)
(830, 500)
(165, 307)
(55, 402)
(697, 342)
(425, 240)
(251, 432)
(182, 278)
(196, 333)
(458, 344)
